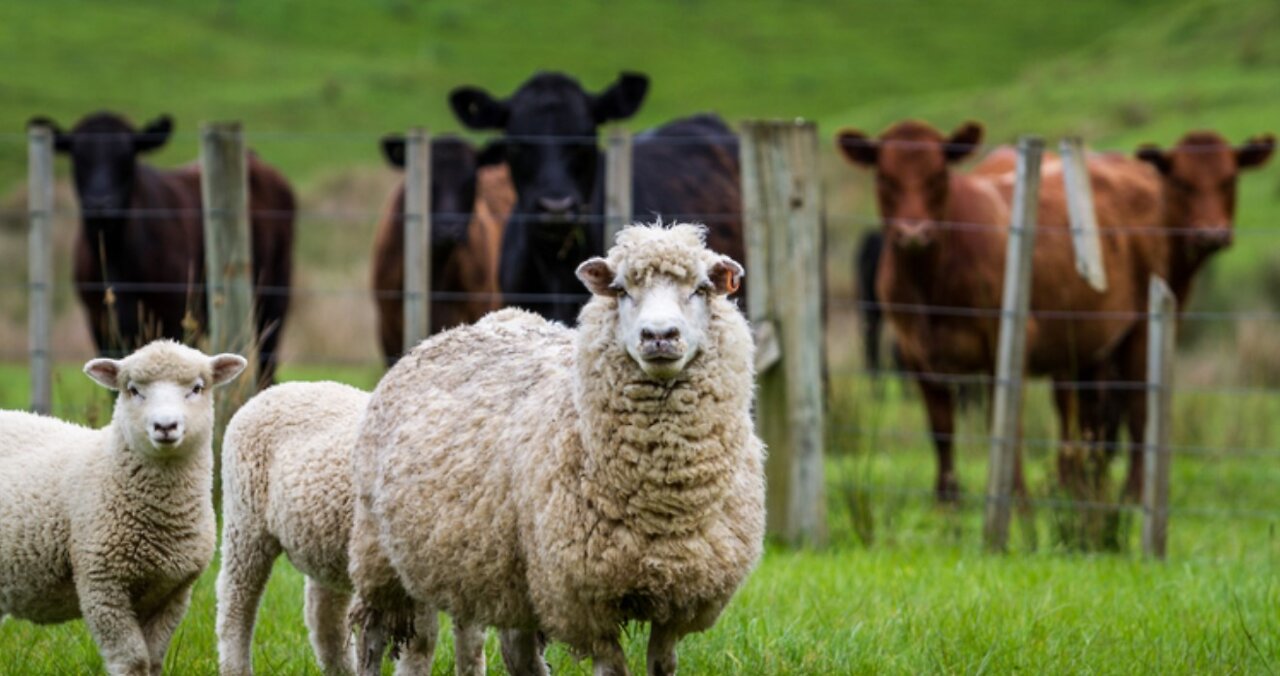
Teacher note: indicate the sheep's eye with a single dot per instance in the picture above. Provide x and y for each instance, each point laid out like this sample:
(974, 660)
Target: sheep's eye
(198, 388)
(133, 391)
(620, 291)
(703, 289)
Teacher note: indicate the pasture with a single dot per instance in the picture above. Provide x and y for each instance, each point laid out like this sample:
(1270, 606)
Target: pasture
(904, 585)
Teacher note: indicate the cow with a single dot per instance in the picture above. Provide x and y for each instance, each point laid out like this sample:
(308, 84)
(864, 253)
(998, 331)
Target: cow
(1191, 192)
(686, 169)
(941, 273)
(866, 264)
(139, 254)
(471, 198)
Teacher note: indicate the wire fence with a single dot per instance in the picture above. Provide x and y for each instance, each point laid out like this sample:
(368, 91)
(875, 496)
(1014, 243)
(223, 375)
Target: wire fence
(367, 219)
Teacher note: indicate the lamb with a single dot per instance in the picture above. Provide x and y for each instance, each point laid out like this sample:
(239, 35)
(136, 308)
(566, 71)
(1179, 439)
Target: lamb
(114, 525)
(560, 483)
(286, 477)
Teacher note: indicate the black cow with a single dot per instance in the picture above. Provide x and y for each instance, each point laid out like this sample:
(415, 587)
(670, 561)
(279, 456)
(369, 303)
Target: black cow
(139, 257)
(866, 263)
(687, 169)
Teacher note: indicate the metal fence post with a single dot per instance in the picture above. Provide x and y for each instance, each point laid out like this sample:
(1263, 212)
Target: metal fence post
(617, 185)
(224, 189)
(1011, 354)
(417, 237)
(40, 264)
(1161, 342)
(782, 207)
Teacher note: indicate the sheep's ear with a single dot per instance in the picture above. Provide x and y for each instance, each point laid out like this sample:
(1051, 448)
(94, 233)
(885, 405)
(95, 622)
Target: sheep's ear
(857, 147)
(1153, 155)
(726, 275)
(105, 372)
(963, 141)
(1256, 151)
(226, 367)
(597, 276)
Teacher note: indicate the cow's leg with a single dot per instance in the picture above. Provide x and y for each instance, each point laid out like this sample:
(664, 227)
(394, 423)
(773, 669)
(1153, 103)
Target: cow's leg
(1133, 368)
(940, 406)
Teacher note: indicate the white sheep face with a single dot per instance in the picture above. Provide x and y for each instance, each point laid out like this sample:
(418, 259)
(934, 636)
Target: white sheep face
(662, 319)
(165, 408)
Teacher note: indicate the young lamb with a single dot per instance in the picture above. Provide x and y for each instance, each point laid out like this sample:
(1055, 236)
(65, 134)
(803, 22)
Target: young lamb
(115, 525)
(560, 482)
(286, 480)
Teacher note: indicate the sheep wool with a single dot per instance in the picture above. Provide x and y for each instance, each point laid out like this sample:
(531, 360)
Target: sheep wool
(115, 523)
(524, 475)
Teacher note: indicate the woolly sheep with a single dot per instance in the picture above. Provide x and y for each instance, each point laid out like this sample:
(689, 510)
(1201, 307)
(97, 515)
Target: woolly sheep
(114, 525)
(524, 475)
(286, 477)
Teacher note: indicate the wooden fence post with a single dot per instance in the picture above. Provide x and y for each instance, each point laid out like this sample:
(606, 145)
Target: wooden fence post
(1084, 220)
(224, 189)
(1011, 353)
(617, 185)
(417, 237)
(40, 264)
(1162, 322)
(782, 218)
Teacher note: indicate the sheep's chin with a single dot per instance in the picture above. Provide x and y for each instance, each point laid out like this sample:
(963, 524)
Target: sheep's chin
(662, 368)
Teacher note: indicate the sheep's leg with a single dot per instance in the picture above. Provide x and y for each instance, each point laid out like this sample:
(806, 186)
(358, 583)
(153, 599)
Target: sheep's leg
(108, 613)
(662, 649)
(158, 630)
(468, 648)
(369, 649)
(325, 611)
(611, 661)
(416, 656)
(522, 652)
(246, 565)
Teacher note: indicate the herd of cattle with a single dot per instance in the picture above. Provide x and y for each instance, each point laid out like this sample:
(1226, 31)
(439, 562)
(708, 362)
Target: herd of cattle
(512, 220)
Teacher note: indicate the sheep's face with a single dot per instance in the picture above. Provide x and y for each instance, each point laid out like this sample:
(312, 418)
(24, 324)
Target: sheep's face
(165, 407)
(662, 314)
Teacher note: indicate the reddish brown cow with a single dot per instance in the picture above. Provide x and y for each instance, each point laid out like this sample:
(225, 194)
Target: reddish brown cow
(139, 256)
(945, 240)
(472, 197)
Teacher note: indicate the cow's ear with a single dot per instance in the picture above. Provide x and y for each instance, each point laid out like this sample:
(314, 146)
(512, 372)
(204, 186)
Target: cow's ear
(1256, 151)
(622, 99)
(1153, 155)
(492, 153)
(61, 142)
(598, 277)
(477, 110)
(393, 150)
(154, 135)
(857, 147)
(963, 141)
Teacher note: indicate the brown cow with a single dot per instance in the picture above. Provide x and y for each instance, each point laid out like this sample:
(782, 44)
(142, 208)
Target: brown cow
(139, 256)
(471, 199)
(945, 240)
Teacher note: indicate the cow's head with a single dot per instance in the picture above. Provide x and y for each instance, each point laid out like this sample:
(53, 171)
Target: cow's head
(912, 161)
(104, 148)
(453, 185)
(550, 125)
(1199, 176)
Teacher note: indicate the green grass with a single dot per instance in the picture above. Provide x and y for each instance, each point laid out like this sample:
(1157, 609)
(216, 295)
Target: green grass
(905, 586)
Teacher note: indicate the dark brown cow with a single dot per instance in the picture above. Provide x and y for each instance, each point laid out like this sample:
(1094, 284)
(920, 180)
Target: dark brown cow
(471, 199)
(139, 256)
(945, 240)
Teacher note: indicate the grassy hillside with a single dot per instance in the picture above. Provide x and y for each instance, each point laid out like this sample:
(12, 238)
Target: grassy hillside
(358, 69)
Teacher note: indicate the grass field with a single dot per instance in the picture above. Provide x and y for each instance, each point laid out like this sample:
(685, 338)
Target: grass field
(904, 586)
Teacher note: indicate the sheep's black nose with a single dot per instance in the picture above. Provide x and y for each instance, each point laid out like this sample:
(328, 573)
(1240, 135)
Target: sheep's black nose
(660, 334)
(166, 427)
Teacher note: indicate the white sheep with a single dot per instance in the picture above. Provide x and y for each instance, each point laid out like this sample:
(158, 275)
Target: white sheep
(542, 480)
(114, 525)
(286, 480)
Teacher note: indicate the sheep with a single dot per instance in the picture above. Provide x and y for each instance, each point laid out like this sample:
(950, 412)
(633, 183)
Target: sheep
(559, 483)
(114, 525)
(286, 478)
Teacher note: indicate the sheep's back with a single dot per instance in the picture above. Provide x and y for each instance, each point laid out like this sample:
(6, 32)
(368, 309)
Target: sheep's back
(37, 454)
(452, 429)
